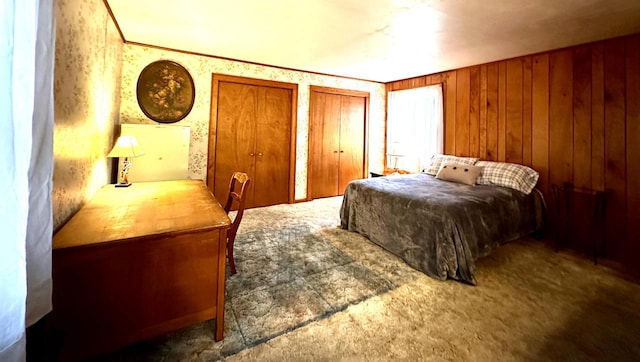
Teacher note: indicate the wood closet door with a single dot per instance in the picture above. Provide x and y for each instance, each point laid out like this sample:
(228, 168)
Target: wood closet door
(273, 145)
(352, 118)
(324, 144)
(236, 131)
(336, 140)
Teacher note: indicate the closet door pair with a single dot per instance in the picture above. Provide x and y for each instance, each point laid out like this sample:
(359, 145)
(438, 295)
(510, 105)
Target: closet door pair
(254, 135)
(336, 140)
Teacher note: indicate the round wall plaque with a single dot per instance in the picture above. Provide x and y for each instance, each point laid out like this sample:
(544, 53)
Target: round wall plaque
(165, 91)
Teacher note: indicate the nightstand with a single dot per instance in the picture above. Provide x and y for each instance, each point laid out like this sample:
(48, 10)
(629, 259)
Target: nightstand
(571, 200)
(388, 172)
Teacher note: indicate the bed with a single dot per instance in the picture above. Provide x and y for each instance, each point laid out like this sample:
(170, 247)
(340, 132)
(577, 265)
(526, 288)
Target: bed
(439, 227)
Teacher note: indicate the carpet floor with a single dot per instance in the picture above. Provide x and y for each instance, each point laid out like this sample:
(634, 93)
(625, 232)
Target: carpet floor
(309, 291)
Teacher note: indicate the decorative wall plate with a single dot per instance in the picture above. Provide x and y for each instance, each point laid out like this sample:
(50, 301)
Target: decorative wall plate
(165, 91)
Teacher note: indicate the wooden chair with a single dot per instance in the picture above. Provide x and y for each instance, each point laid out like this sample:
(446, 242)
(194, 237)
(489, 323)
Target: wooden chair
(237, 196)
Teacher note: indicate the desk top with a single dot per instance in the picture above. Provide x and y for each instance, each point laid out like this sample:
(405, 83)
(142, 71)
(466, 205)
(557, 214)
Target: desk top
(143, 210)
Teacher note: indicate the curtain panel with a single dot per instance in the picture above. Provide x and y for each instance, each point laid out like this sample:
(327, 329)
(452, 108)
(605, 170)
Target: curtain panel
(414, 127)
(26, 167)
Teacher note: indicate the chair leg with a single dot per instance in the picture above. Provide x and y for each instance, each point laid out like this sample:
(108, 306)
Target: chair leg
(232, 264)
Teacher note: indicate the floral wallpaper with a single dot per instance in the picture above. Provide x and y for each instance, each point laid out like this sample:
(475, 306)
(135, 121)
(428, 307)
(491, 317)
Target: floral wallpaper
(88, 65)
(136, 57)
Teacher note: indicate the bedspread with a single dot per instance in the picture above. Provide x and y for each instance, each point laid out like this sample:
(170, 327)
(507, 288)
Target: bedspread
(435, 226)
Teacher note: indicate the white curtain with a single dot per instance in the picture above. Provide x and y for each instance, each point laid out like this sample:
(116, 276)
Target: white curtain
(415, 126)
(27, 36)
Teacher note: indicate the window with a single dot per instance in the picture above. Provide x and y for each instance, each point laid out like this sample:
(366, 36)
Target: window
(414, 127)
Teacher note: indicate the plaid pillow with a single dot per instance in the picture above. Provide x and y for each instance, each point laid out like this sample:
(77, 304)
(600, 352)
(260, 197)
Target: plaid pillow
(518, 177)
(438, 160)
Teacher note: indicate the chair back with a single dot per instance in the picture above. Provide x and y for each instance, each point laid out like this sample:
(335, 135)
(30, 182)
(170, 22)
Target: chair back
(236, 199)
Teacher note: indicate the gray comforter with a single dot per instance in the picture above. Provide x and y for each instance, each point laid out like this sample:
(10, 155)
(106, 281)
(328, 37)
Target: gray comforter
(438, 227)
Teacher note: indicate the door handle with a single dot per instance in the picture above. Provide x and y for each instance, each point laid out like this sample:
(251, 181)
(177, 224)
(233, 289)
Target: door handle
(335, 151)
(251, 154)
(259, 153)
(341, 151)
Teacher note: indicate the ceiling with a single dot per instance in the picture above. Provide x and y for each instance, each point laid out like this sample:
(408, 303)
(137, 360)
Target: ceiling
(378, 40)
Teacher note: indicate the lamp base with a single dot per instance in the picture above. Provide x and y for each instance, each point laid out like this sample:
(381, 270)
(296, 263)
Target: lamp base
(123, 185)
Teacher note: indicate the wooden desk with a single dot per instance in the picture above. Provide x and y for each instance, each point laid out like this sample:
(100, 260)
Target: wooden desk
(138, 262)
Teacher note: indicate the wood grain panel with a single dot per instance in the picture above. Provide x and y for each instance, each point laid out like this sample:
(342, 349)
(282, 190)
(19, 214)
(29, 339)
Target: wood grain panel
(513, 121)
(560, 123)
(474, 112)
(527, 89)
(540, 121)
(581, 145)
(597, 117)
(273, 143)
(462, 111)
(502, 110)
(582, 117)
(633, 147)
(237, 107)
(615, 158)
(419, 82)
(324, 144)
(560, 113)
(482, 128)
(492, 112)
(352, 125)
(450, 114)
(435, 79)
(577, 112)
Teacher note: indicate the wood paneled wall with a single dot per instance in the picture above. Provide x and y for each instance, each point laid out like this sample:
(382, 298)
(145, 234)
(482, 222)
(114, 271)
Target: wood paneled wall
(571, 114)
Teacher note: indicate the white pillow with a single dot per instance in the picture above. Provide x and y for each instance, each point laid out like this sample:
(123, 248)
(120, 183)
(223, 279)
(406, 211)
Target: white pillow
(518, 177)
(437, 160)
(460, 173)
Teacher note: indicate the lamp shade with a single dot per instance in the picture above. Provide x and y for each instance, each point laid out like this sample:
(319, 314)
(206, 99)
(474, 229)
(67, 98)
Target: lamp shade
(126, 146)
(397, 149)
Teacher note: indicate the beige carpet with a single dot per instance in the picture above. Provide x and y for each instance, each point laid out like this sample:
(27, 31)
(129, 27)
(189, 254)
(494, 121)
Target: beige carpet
(530, 304)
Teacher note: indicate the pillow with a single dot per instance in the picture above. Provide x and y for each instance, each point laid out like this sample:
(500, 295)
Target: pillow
(518, 177)
(460, 173)
(437, 160)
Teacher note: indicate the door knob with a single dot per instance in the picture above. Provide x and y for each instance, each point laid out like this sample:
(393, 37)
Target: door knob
(341, 151)
(251, 154)
(259, 153)
(335, 151)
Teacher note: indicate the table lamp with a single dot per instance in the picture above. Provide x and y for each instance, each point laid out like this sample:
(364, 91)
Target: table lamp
(395, 152)
(395, 157)
(126, 147)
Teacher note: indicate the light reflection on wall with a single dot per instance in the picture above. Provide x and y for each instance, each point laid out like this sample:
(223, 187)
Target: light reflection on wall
(98, 172)
(87, 91)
